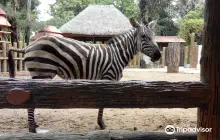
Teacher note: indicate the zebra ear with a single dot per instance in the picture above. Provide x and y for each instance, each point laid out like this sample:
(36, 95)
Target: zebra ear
(145, 22)
(152, 24)
(134, 23)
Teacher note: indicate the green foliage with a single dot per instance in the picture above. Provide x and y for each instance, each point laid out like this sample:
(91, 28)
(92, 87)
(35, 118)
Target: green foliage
(192, 22)
(166, 27)
(198, 13)
(53, 22)
(21, 14)
(165, 11)
(189, 26)
(153, 8)
(66, 10)
(182, 7)
(160, 10)
(128, 7)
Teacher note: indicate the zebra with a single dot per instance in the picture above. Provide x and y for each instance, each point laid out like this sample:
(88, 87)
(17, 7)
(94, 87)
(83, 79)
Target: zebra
(49, 56)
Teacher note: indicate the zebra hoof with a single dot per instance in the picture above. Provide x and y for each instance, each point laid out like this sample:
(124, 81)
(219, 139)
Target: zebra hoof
(32, 128)
(32, 131)
(101, 125)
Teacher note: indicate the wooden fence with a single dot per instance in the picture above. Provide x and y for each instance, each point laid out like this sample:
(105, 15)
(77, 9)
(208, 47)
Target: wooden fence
(18, 57)
(22, 93)
(188, 55)
(136, 61)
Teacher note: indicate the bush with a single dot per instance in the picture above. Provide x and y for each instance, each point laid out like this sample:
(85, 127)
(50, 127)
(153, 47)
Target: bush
(193, 22)
(189, 26)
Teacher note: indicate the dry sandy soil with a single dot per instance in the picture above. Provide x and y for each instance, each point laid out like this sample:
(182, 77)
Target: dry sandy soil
(83, 120)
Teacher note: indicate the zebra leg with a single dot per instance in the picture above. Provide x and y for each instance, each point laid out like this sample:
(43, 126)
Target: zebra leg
(100, 119)
(31, 119)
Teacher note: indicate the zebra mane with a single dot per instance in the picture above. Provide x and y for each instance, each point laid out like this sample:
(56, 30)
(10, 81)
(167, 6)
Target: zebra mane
(112, 40)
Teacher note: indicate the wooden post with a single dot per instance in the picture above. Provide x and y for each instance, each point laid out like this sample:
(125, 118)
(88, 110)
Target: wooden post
(195, 55)
(163, 56)
(209, 117)
(129, 64)
(0, 65)
(139, 60)
(186, 54)
(20, 58)
(191, 48)
(135, 60)
(15, 57)
(173, 57)
(4, 58)
(25, 68)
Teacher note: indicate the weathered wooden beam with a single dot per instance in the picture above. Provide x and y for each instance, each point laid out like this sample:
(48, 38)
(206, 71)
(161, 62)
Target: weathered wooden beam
(186, 54)
(5, 56)
(101, 135)
(191, 49)
(96, 94)
(173, 57)
(209, 117)
(163, 56)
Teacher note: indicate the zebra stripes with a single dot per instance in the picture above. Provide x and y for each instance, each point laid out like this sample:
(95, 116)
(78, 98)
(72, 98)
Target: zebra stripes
(71, 59)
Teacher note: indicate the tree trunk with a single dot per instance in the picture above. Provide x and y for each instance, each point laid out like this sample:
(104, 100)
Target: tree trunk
(15, 33)
(209, 117)
(15, 37)
(173, 57)
(27, 30)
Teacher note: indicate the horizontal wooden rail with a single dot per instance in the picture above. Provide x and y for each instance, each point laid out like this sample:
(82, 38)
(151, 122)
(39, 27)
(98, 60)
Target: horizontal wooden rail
(6, 58)
(102, 135)
(27, 93)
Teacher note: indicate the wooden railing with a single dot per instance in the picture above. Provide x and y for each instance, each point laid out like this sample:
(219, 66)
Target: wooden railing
(205, 95)
(18, 57)
(27, 93)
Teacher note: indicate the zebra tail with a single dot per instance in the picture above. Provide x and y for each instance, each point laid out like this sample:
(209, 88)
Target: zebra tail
(11, 64)
(17, 50)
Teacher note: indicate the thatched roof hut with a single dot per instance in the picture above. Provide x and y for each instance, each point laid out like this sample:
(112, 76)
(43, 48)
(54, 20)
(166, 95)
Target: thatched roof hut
(96, 23)
(47, 31)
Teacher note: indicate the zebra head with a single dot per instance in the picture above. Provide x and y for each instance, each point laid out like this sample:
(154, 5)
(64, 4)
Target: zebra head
(145, 38)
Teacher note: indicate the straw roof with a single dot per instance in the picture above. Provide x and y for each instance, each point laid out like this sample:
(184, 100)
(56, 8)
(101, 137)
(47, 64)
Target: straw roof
(47, 31)
(101, 20)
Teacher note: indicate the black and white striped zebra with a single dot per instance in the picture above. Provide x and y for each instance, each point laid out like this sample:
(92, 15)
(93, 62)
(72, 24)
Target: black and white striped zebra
(71, 59)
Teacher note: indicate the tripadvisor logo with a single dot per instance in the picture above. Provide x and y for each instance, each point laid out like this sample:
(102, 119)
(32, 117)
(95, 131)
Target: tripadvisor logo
(170, 129)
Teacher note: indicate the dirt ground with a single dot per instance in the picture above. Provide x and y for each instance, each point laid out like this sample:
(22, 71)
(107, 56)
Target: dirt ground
(84, 120)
